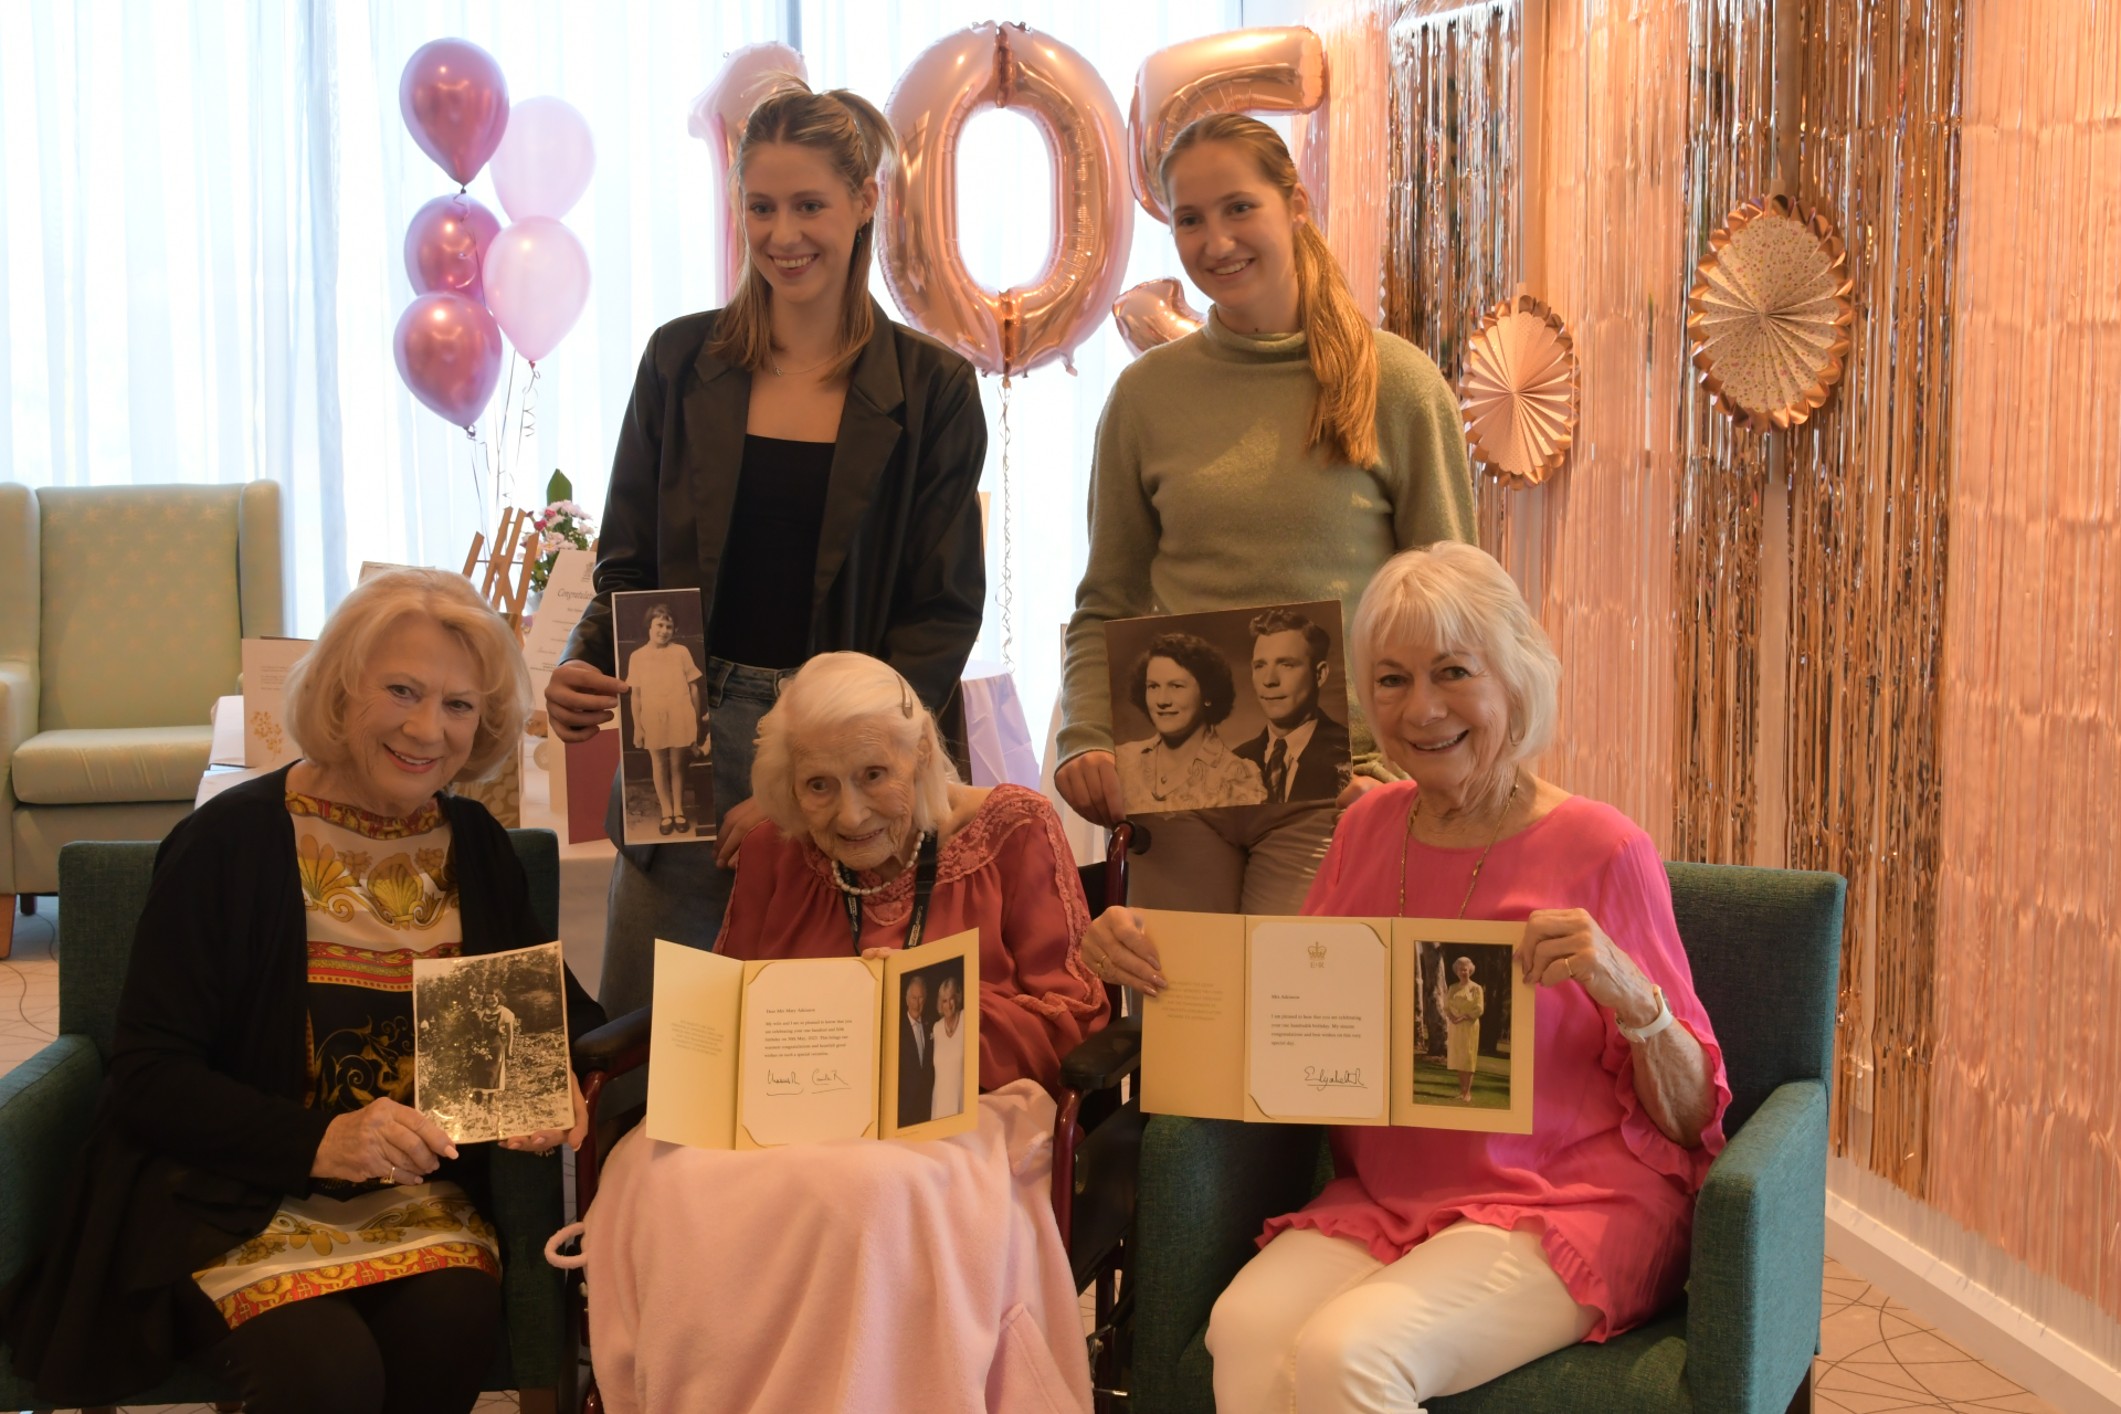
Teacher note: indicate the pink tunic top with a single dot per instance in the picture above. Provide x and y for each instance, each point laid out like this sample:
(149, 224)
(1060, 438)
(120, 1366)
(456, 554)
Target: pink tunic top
(1008, 873)
(1611, 1198)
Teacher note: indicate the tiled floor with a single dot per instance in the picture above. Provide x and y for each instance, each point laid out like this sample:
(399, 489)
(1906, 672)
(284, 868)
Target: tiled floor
(1876, 1357)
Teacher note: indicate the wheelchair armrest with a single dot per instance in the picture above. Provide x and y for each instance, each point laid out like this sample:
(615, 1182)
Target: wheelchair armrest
(615, 1047)
(1106, 1058)
(1759, 1243)
(45, 1107)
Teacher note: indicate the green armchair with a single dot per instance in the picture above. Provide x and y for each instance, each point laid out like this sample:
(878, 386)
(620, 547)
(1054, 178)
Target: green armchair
(1765, 947)
(122, 615)
(46, 1104)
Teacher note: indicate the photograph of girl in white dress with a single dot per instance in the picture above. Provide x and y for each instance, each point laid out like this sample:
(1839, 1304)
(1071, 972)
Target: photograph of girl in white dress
(661, 645)
(1463, 1057)
(1185, 689)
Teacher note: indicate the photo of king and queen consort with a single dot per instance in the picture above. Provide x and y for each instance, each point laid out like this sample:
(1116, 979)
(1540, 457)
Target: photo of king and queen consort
(668, 778)
(490, 1053)
(1230, 708)
(1462, 1041)
(932, 1054)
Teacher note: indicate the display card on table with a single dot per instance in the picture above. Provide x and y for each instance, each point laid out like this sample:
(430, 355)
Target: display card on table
(568, 589)
(665, 767)
(490, 1053)
(754, 1055)
(1229, 708)
(266, 661)
(1339, 1021)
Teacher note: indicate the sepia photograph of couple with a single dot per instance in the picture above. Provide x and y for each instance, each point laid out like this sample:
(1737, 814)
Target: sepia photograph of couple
(1229, 708)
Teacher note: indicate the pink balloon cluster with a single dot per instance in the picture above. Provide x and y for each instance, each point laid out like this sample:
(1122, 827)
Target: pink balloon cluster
(473, 281)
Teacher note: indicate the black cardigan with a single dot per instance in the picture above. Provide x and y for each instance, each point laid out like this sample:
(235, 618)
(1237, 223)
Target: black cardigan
(900, 570)
(200, 1129)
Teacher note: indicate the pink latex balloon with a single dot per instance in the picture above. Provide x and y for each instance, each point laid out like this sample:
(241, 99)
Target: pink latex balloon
(455, 101)
(449, 354)
(537, 280)
(1278, 69)
(717, 119)
(544, 162)
(1011, 66)
(445, 246)
(1154, 312)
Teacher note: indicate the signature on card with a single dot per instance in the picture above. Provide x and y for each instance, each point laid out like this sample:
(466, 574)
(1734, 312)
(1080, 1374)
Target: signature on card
(1320, 1077)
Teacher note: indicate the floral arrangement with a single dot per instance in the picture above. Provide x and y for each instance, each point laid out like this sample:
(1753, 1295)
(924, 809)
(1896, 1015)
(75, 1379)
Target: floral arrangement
(560, 526)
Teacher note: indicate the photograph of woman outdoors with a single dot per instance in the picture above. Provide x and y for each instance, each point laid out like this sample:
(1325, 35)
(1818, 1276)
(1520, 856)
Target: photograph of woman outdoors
(811, 467)
(1436, 1260)
(1186, 689)
(1279, 455)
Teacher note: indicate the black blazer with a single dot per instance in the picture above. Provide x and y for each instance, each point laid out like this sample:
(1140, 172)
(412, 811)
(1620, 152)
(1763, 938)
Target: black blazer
(901, 574)
(1321, 772)
(200, 1128)
(916, 1072)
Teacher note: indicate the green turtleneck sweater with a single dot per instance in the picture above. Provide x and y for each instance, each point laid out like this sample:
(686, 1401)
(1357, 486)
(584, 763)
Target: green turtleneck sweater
(1204, 497)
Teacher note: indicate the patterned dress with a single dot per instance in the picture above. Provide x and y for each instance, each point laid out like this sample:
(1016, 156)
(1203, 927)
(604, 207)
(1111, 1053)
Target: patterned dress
(1216, 776)
(377, 893)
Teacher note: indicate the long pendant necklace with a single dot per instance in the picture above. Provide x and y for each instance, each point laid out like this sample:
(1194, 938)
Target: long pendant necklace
(1408, 838)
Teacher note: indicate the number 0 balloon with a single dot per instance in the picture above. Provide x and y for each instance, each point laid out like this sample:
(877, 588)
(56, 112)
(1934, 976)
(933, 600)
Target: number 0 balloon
(1009, 66)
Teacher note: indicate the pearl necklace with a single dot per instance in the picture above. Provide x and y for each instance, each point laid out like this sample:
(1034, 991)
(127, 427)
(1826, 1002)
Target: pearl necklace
(853, 890)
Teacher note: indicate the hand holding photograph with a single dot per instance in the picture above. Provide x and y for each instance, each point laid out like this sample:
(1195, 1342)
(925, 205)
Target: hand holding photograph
(1228, 708)
(490, 1054)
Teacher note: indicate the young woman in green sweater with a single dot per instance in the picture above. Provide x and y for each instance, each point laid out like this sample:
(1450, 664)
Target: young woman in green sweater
(1279, 455)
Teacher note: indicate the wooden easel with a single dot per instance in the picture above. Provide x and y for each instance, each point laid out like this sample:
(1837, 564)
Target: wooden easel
(506, 585)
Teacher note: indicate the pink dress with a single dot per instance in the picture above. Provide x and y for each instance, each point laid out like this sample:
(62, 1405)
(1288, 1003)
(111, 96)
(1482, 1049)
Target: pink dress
(1611, 1198)
(1008, 873)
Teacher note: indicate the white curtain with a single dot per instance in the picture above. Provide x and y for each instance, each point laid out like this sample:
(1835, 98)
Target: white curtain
(202, 215)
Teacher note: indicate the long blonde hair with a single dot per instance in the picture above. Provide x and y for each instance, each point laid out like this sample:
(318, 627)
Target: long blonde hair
(1340, 342)
(853, 135)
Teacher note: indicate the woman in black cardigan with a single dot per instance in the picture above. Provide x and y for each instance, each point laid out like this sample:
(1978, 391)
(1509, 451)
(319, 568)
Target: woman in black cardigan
(257, 1193)
(812, 468)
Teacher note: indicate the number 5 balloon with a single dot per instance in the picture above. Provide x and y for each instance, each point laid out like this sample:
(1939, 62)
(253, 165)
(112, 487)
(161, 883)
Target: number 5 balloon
(1010, 66)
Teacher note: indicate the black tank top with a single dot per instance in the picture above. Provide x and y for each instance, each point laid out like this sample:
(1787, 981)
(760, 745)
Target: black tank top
(763, 594)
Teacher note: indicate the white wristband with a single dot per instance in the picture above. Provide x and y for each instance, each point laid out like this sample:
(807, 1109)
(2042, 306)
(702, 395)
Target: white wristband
(1637, 1035)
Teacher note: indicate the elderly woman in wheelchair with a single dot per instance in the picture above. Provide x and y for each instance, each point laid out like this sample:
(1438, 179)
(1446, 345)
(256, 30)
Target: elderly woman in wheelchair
(257, 1192)
(935, 1266)
(1438, 1260)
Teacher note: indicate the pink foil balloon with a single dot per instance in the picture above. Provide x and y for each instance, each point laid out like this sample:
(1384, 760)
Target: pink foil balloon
(1010, 66)
(449, 354)
(1154, 312)
(537, 281)
(718, 117)
(445, 246)
(455, 101)
(1280, 69)
(544, 162)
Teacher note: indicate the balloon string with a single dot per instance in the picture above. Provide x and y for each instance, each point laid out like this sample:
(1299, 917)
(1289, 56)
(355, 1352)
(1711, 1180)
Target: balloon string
(502, 468)
(527, 415)
(1007, 599)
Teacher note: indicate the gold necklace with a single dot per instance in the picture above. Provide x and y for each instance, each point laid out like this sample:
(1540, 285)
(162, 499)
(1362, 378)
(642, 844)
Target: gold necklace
(780, 372)
(1408, 838)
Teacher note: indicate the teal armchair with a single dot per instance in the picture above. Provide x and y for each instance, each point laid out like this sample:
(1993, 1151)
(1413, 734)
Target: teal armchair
(1765, 947)
(122, 615)
(46, 1105)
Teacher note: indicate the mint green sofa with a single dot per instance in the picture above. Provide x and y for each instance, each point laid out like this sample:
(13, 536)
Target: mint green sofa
(122, 615)
(1765, 946)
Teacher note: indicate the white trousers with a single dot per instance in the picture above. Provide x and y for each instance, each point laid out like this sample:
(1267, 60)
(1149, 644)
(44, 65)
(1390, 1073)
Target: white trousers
(1317, 1324)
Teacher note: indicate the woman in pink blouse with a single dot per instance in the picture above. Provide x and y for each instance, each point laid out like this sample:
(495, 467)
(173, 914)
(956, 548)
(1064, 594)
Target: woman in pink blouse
(1436, 1260)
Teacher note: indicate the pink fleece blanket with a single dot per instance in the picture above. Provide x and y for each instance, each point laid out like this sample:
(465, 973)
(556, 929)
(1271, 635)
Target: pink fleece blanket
(858, 1275)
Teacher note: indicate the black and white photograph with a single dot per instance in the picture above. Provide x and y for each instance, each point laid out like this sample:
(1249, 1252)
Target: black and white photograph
(490, 1043)
(932, 1054)
(663, 747)
(1235, 707)
(1462, 1051)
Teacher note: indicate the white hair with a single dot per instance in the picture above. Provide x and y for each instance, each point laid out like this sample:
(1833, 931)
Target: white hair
(829, 696)
(1458, 597)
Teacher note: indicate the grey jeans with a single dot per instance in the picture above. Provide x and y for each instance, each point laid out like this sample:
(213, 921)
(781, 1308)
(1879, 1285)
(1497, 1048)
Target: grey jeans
(683, 893)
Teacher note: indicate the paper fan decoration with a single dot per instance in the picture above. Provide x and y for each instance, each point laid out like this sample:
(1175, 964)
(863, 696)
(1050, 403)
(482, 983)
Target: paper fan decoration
(1518, 391)
(1771, 313)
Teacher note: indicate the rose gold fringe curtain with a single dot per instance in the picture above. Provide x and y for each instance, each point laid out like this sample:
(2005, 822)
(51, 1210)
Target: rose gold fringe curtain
(1593, 548)
(1343, 156)
(1878, 147)
(1722, 484)
(2028, 964)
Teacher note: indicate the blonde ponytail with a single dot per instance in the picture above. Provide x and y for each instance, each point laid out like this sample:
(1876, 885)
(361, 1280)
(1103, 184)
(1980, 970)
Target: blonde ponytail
(1340, 342)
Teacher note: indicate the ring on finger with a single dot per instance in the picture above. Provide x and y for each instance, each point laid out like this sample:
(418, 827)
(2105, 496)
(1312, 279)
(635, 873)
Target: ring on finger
(1570, 964)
